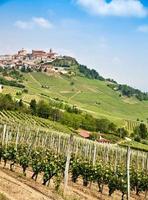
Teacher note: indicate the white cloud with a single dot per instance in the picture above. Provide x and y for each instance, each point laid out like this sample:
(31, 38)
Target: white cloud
(124, 8)
(143, 28)
(34, 22)
(23, 24)
(42, 22)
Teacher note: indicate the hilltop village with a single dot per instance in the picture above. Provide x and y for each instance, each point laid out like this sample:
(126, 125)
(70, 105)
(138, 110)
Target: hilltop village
(36, 60)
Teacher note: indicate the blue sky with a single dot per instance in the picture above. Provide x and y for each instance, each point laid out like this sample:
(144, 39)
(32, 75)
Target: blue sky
(110, 36)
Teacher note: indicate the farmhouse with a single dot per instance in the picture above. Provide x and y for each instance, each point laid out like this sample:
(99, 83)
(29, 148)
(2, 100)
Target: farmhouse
(84, 133)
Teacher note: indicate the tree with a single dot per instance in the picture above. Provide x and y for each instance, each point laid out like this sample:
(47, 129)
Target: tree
(102, 125)
(88, 122)
(94, 136)
(71, 120)
(43, 110)
(6, 102)
(72, 83)
(122, 132)
(20, 103)
(55, 114)
(112, 127)
(33, 106)
(141, 131)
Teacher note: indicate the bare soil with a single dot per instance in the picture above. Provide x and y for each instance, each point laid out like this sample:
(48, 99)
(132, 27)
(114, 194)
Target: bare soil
(17, 187)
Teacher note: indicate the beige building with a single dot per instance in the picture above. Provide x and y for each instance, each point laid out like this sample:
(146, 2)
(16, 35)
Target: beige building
(22, 52)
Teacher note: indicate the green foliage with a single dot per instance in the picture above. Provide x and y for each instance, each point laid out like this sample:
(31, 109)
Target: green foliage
(53, 166)
(90, 73)
(33, 106)
(90, 91)
(24, 162)
(122, 132)
(18, 93)
(65, 62)
(12, 73)
(45, 162)
(75, 169)
(15, 74)
(43, 109)
(112, 138)
(105, 175)
(140, 132)
(72, 117)
(94, 136)
(139, 180)
(42, 161)
(111, 80)
(25, 69)
(129, 91)
(135, 145)
(6, 102)
(25, 91)
(105, 126)
(37, 163)
(12, 83)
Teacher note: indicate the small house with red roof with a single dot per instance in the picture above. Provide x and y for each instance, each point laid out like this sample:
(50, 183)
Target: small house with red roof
(84, 133)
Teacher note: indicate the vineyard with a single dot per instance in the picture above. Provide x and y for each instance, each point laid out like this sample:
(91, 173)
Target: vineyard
(30, 120)
(131, 125)
(13, 117)
(56, 156)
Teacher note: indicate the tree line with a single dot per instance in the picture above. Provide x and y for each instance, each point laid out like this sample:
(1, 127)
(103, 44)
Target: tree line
(90, 73)
(128, 91)
(71, 116)
(12, 83)
(67, 115)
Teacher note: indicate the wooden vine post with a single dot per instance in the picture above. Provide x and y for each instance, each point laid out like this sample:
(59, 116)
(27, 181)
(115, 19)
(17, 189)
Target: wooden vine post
(128, 172)
(69, 151)
(116, 159)
(94, 154)
(17, 138)
(4, 135)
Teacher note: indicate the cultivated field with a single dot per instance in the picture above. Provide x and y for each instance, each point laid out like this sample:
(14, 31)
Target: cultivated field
(92, 96)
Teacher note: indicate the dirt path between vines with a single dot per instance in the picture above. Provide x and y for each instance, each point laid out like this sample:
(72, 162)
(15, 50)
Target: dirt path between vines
(17, 187)
(13, 189)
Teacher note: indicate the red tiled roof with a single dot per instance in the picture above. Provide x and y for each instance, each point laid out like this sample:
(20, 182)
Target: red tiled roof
(84, 133)
(38, 52)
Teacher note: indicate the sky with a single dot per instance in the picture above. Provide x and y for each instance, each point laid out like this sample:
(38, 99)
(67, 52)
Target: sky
(110, 36)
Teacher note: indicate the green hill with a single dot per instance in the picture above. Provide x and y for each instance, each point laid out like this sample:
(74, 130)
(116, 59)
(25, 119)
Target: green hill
(93, 96)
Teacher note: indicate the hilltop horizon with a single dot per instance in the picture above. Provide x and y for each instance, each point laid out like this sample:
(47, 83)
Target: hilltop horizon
(73, 99)
(55, 55)
(112, 41)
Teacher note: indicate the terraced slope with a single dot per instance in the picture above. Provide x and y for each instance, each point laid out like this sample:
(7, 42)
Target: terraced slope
(93, 96)
(22, 119)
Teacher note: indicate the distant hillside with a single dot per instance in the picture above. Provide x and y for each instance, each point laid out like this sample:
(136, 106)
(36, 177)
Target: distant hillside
(93, 96)
(85, 88)
(128, 91)
(125, 90)
(71, 67)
